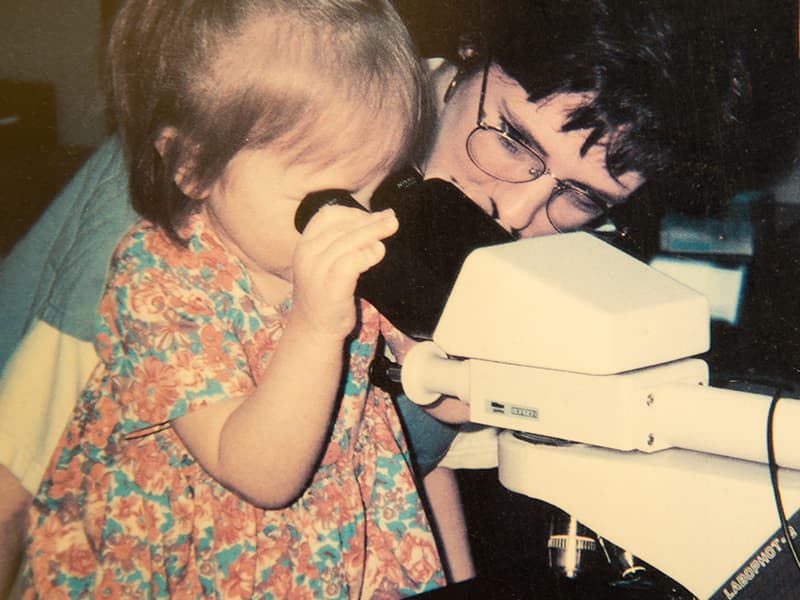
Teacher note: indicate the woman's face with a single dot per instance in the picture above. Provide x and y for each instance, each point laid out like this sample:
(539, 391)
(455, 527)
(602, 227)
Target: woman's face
(520, 207)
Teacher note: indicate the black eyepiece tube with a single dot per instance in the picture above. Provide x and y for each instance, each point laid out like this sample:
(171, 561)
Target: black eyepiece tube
(439, 227)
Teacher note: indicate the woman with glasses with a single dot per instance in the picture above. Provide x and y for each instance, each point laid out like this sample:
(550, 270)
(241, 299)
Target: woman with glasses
(557, 112)
(550, 118)
(515, 148)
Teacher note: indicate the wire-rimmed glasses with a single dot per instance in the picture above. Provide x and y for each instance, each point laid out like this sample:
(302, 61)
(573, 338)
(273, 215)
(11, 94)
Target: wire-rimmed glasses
(501, 154)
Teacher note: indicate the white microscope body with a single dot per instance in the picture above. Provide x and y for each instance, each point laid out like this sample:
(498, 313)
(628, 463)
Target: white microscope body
(566, 337)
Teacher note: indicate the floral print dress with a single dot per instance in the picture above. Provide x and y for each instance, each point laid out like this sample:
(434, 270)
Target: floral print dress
(125, 511)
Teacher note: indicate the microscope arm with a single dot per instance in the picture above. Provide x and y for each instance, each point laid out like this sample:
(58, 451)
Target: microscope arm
(567, 337)
(649, 409)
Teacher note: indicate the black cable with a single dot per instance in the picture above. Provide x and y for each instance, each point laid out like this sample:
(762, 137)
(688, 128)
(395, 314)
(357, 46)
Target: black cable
(773, 475)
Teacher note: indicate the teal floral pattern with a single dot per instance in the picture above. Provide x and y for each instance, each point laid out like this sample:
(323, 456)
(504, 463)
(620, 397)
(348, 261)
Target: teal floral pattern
(125, 511)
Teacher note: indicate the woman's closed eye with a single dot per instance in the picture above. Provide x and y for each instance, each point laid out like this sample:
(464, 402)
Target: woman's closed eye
(510, 146)
(580, 201)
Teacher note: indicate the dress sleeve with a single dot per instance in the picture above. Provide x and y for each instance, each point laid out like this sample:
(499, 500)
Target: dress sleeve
(397, 342)
(172, 337)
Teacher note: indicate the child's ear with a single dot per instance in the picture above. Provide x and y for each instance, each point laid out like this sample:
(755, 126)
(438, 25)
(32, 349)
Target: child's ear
(183, 174)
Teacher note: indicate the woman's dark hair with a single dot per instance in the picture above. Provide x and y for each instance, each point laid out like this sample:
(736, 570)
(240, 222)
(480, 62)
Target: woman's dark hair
(672, 81)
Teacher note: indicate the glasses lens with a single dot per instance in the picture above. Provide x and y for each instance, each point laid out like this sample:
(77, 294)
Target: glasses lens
(501, 157)
(570, 209)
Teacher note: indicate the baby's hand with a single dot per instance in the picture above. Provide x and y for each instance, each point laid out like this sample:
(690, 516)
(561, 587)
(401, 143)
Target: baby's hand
(337, 246)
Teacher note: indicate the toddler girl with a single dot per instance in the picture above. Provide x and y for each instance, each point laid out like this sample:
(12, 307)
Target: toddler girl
(228, 444)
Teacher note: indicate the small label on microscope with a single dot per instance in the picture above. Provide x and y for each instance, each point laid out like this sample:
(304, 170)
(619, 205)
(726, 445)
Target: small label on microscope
(524, 411)
(511, 410)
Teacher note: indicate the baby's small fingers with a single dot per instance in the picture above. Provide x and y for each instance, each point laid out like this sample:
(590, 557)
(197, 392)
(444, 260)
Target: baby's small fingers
(380, 225)
(347, 233)
(333, 218)
(364, 238)
(345, 269)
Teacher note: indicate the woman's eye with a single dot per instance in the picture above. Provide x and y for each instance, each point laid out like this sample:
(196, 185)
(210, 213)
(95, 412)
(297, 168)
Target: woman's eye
(583, 203)
(509, 135)
(510, 146)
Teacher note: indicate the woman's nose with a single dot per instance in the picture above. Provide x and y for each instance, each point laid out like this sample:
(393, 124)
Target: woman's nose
(522, 210)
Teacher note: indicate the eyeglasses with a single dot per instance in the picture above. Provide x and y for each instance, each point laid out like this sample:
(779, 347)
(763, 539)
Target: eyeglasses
(501, 154)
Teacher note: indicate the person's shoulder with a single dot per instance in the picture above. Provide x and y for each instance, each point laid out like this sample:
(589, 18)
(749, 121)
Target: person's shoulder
(152, 275)
(145, 248)
(108, 159)
(147, 255)
(103, 179)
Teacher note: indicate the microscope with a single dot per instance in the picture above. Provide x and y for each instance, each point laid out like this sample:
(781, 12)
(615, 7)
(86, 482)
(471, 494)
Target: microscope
(580, 362)
(583, 360)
